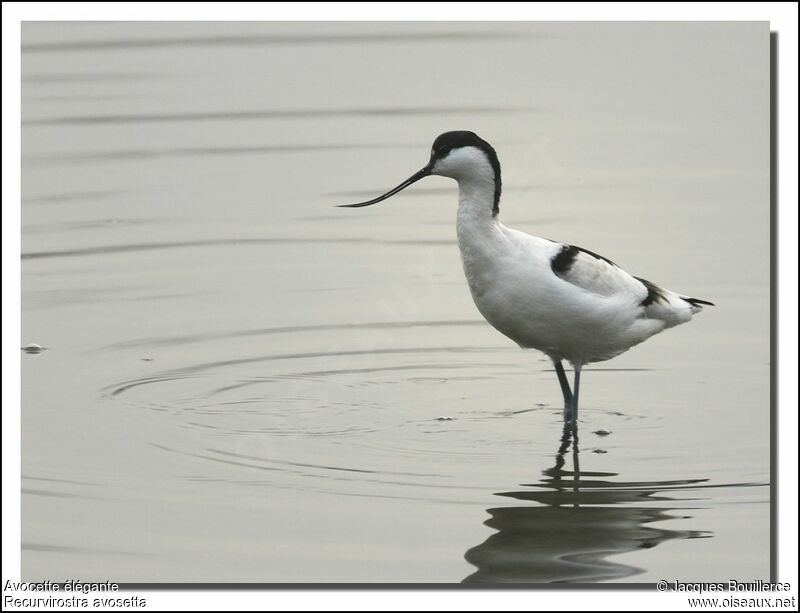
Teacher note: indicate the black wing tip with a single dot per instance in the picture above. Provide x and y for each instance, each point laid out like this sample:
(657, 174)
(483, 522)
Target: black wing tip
(698, 302)
(654, 292)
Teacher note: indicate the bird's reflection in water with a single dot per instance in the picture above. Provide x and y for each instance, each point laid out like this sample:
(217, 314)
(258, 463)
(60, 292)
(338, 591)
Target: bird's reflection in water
(580, 521)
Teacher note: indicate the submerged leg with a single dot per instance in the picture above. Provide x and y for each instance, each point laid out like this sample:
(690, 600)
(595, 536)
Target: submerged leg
(562, 380)
(575, 389)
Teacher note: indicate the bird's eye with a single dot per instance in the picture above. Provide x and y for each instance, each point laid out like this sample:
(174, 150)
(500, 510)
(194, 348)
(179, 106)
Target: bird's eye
(444, 150)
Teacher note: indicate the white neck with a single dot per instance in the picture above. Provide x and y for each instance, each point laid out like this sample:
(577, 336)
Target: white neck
(473, 170)
(478, 231)
(475, 205)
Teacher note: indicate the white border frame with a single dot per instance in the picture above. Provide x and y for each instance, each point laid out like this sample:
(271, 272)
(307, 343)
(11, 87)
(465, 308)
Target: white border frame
(782, 18)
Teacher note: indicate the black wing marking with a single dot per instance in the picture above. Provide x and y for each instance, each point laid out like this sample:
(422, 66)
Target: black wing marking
(563, 260)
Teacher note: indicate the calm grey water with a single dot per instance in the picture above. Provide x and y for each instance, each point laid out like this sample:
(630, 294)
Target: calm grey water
(243, 383)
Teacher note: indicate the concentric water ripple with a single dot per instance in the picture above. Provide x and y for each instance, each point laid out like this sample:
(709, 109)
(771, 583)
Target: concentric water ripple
(428, 413)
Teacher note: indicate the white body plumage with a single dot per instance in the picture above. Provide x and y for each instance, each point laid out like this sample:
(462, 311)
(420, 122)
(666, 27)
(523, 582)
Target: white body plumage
(591, 312)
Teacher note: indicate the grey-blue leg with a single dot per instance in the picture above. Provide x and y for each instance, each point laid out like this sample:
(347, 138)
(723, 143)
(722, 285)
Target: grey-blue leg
(562, 380)
(575, 388)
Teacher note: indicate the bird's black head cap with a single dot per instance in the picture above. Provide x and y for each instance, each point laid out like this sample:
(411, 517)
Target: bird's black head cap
(448, 141)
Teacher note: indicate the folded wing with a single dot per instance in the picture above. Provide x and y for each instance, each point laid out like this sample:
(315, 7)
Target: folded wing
(599, 275)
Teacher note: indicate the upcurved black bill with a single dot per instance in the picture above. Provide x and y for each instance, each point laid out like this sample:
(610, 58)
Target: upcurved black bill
(412, 179)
